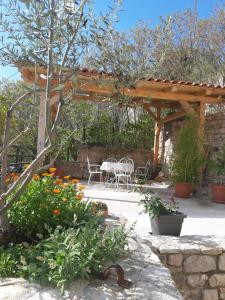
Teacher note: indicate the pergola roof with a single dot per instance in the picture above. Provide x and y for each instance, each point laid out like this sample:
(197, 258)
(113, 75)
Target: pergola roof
(183, 97)
(96, 86)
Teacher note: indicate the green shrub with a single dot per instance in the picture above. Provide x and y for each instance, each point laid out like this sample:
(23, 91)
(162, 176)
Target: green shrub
(187, 157)
(49, 201)
(65, 255)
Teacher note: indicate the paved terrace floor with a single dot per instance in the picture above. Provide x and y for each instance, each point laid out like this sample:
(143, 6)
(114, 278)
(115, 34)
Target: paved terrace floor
(203, 216)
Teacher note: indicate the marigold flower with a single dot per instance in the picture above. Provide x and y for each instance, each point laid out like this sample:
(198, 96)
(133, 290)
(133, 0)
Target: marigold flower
(36, 177)
(65, 184)
(81, 187)
(75, 181)
(67, 177)
(56, 212)
(44, 174)
(52, 170)
(15, 178)
(58, 181)
(56, 191)
(79, 196)
(7, 180)
(65, 200)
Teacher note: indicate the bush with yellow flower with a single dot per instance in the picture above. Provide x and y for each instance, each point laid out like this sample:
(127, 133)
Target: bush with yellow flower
(50, 201)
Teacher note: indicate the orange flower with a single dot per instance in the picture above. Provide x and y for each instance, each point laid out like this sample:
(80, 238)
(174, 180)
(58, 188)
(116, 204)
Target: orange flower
(36, 177)
(65, 184)
(56, 191)
(52, 170)
(75, 181)
(65, 200)
(81, 187)
(67, 177)
(16, 177)
(56, 212)
(7, 180)
(80, 196)
(58, 181)
(45, 174)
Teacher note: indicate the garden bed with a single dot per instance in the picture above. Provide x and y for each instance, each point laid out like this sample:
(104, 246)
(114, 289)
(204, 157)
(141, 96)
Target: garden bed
(57, 236)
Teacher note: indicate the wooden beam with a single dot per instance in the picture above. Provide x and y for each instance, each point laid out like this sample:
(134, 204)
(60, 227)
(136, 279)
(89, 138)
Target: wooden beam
(154, 116)
(174, 116)
(109, 90)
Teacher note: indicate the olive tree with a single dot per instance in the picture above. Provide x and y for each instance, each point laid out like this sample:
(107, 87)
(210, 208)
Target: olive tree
(49, 33)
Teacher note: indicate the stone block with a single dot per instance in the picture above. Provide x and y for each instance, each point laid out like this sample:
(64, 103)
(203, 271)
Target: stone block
(175, 260)
(190, 248)
(210, 295)
(198, 280)
(199, 264)
(179, 279)
(222, 293)
(217, 280)
(210, 250)
(221, 262)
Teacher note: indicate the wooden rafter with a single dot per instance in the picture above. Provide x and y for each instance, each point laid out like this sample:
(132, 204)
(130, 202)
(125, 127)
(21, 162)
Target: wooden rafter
(174, 116)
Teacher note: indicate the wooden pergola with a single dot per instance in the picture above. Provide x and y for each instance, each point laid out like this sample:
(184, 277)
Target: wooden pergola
(151, 93)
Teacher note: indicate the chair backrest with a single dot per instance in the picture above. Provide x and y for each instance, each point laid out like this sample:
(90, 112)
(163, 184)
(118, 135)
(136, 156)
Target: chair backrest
(147, 167)
(128, 165)
(88, 162)
(111, 159)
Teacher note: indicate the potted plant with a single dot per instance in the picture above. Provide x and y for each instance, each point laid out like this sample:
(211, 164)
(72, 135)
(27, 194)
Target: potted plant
(164, 217)
(218, 165)
(187, 159)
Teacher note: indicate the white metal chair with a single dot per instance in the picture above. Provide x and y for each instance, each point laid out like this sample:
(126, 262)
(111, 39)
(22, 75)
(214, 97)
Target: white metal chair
(125, 175)
(109, 174)
(93, 169)
(142, 172)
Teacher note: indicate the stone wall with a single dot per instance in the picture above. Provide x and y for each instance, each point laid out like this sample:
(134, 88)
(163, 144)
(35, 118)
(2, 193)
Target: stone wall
(196, 264)
(214, 139)
(98, 154)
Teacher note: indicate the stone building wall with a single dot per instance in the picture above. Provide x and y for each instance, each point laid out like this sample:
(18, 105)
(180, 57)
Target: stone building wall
(196, 264)
(96, 155)
(214, 139)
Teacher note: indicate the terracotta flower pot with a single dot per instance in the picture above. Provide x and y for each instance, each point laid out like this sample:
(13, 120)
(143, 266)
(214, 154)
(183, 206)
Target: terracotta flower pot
(183, 189)
(218, 193)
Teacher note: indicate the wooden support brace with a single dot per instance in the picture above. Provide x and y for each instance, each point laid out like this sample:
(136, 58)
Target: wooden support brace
(174, 116)
(187, 107)
(146, 107)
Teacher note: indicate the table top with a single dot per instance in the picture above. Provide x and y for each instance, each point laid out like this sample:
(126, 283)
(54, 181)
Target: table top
(117, 167)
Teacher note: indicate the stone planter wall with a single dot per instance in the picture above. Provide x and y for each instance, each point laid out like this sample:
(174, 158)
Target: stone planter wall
(196, 264)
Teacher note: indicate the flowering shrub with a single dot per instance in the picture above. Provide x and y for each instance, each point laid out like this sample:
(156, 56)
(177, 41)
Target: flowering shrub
(49, 202)
(64, 255)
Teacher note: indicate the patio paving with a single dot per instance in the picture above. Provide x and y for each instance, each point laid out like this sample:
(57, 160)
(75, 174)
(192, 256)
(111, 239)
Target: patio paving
(203, 216)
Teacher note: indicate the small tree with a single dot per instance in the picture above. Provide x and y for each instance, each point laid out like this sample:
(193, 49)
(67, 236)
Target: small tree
(53, 34)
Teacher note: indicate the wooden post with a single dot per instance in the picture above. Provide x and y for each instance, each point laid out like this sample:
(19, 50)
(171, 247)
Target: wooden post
(41, 124)
(158, 127)
(202, 121)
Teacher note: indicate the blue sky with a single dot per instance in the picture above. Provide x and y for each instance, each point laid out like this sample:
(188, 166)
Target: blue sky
(135, 10)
